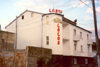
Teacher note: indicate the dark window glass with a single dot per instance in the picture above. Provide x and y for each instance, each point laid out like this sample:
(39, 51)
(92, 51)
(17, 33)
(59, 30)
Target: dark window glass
(23, 17)
(47, 40)
(81, 48)
(81, 35)
(74, 32)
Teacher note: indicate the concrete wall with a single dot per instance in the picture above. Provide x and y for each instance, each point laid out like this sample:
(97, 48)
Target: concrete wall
(50, 28)
(66, 40)
(80, 42)
(28, 30)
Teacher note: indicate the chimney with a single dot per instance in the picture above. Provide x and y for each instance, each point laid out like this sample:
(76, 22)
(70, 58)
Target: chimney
(75, 21)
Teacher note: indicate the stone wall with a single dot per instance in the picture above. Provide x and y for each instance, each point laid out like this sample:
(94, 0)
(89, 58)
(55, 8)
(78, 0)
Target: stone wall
(7, 40)
(30, 57)
(7, 59)
(38, 57)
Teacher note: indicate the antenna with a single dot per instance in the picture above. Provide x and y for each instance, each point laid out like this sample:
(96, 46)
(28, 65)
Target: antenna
(53, 3)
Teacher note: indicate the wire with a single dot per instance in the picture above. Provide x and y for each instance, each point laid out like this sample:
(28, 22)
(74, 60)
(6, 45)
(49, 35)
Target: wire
(85, 3)
(88, 5)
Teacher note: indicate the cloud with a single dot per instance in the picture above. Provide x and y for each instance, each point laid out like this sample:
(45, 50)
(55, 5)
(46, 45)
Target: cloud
(79, 3)
(90, 11)
(98, 9)
(36, 5)
(88, 18)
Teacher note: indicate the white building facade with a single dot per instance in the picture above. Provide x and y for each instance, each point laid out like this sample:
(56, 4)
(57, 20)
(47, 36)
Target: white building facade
(52, 31)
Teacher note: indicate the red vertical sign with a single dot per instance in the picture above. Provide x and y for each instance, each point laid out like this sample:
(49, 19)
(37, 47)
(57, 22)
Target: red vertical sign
(58, 34)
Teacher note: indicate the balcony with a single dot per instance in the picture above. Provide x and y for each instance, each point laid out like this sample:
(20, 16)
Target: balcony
(90, 54)
(76, 38)
(89, 41)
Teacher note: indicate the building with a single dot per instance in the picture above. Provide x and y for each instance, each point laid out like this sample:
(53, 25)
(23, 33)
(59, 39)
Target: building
(71, 45)
(7, 41)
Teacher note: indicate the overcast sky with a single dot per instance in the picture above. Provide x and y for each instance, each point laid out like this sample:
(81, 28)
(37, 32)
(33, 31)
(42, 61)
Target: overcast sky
(72, 9)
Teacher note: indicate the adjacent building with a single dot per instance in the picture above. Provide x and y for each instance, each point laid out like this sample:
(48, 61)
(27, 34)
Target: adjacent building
(71, 45)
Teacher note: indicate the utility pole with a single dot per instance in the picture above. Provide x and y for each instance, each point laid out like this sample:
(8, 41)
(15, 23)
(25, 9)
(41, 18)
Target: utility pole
(96, 33)
(15, 45)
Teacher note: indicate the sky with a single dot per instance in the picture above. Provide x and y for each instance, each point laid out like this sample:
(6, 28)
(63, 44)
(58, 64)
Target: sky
(72, 9)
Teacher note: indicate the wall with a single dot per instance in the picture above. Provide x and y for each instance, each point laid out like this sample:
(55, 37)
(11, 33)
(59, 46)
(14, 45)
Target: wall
(7, 40)
(66, 40)
(28, 30)
(81, 41)
(7, 59)
(50, 29)
(36, 56)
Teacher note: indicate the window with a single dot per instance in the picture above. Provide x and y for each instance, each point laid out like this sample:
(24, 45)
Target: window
(87, 36)
(23, 17)
(47, 40)
(3, 41)
(88, 47)
(86, 61)
(75, 45)
(47, 19)
(32, 14)
(74, 32)
(81, 48)
(75, 61)
(81, 35)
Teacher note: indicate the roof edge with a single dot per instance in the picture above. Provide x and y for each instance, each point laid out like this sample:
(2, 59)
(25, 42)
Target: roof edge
(76, 25)
(20, 15)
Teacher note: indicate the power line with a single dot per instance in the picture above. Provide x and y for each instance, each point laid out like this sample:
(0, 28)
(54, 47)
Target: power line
(88, 5)
(85, 3)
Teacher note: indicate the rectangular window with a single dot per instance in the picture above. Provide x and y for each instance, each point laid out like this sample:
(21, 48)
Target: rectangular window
(75, 61)
(81, 35)
(88, 47)
(74, 32)
(81, 48)
(22, 17)
(3, 41)
(75, 45)
(47, 40)
(86, 61)
(47, 19)
(87, 37)
(32, 14)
